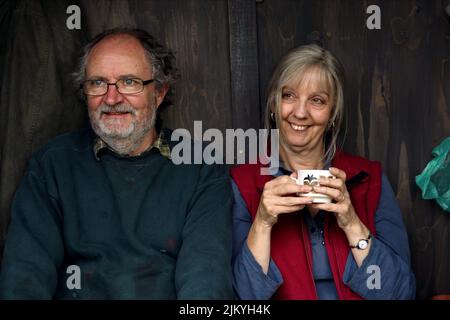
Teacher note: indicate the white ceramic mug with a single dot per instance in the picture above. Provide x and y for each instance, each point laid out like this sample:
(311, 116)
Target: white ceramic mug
(312, 177)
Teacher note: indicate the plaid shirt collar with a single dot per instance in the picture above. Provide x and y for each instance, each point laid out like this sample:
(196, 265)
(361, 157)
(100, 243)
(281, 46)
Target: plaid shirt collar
(160, 143)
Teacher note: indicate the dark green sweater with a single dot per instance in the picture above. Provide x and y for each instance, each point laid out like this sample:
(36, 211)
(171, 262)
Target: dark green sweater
(138, 228)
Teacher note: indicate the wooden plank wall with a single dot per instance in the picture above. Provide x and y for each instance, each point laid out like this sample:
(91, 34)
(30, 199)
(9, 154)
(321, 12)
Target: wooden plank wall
(397, 93)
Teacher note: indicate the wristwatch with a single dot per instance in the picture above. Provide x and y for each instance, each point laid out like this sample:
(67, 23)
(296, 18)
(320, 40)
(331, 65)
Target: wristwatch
(362, 244)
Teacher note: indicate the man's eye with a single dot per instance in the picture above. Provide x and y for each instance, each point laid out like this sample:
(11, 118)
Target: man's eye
(129, 82)
(95, 83)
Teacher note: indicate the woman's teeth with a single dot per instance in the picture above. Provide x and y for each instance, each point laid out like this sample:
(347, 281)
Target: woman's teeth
(298, 128)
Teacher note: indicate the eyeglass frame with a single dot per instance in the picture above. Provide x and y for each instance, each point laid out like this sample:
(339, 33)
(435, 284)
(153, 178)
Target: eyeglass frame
(144, 83)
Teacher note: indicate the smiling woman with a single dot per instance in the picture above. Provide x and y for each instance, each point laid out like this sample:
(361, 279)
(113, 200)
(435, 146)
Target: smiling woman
(308, 81)
(305, 250)
(298, 130)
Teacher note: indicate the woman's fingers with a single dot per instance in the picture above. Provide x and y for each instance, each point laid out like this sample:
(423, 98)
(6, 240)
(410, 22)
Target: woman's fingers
(280, 180)
(271, 203)
(337, 183)
(285, 185)
(338, 173)
(336, 194)
(333, 187)
(293, 201)
(287, 209)
(287, 189)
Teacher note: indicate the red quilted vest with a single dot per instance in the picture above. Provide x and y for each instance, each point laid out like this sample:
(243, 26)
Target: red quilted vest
(290, 243)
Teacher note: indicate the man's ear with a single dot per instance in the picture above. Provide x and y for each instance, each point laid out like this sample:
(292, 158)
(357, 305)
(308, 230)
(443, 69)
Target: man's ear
(161, 93)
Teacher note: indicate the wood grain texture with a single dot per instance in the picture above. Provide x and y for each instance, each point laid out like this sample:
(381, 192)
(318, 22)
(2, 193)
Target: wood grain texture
(198, 32)
(244, 64)
(37, 101)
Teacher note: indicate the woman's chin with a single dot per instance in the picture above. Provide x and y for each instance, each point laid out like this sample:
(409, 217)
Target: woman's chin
(297, 144)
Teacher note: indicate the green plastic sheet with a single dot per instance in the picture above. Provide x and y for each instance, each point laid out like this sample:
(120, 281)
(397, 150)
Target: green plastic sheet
(434, 181)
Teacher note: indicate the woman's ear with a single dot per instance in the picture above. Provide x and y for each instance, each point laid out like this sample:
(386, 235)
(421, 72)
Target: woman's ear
(272, 119)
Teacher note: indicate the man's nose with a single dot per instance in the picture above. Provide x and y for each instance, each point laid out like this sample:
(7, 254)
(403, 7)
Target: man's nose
(112, 96)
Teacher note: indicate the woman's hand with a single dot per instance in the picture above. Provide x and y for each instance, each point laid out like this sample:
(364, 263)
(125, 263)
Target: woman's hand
(280, 196)
(342, 206)
(343, 209)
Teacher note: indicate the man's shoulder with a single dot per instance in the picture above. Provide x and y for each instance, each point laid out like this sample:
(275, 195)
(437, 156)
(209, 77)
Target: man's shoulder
(67, 143)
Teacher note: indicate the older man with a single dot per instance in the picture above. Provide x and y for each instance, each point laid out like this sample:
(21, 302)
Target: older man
(103, 212)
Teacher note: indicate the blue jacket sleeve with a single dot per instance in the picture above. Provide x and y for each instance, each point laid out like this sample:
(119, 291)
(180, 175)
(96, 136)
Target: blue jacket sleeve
(386, 272)
(249, 281)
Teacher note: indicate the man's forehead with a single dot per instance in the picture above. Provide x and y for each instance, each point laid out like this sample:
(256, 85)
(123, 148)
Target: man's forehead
(119, 51)
(118, 41)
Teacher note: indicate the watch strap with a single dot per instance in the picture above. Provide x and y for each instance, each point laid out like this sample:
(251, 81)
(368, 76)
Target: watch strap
(356, 246)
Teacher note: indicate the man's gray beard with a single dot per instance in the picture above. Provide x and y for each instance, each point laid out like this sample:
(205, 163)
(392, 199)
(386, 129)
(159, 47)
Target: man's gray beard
(128, 140)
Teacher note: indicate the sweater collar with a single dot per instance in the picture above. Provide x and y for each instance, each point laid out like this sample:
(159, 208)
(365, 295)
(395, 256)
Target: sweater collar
(161, 143)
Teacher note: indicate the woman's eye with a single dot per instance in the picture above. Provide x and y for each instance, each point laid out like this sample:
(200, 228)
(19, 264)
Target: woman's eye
(288, 96)
(318, 100)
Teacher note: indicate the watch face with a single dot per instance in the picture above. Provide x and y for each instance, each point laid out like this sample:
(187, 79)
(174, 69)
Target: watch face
(362, 244)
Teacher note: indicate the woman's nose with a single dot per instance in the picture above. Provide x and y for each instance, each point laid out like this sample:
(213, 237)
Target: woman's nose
(301, 109)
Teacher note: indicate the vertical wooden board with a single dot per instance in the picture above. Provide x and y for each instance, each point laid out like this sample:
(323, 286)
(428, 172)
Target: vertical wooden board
(345, 35)
(283, 25)
(198, 33)
(6, 23)
(244, 64)
(101, 15)
(420, 118)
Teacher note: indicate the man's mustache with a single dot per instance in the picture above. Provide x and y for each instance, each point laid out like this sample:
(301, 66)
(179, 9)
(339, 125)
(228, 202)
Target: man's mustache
(104, 108)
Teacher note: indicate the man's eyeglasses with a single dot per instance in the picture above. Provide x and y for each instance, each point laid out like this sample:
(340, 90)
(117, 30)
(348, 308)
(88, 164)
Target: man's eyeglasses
(99, 87)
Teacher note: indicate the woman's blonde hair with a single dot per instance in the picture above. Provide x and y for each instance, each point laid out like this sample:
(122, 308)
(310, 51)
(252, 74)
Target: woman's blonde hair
(292, 67)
